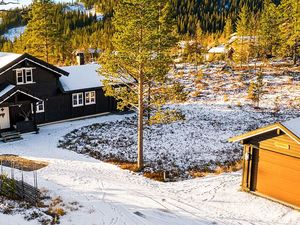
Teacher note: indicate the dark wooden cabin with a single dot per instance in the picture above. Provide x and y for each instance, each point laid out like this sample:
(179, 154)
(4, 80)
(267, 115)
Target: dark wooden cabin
(272, 162)
(33, 92)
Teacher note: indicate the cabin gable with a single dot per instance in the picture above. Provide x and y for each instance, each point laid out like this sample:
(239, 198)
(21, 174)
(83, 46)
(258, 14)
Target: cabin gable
(43, 83)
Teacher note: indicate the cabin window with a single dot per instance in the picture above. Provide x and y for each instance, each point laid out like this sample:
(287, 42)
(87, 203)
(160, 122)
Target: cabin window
(40, 107)
(24, 76)
(28, 75)
(20, 77)
(77, 99)
(90, 97)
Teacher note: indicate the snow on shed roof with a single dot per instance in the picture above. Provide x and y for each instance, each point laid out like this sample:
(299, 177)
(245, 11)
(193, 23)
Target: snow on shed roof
(6, 58)
(219, 49)
(290, 127)
(294, 126)
(81, 77)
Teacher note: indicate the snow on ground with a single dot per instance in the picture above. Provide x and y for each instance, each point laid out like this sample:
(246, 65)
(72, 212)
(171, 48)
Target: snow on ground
(72, 6)
(109, 195)
(216, 83)
(81, 8)
(198, 143)
(23, 3)
(14, 33)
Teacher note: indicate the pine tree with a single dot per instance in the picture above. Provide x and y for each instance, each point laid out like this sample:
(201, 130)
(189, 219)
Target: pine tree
(42, 36)
(140, 49)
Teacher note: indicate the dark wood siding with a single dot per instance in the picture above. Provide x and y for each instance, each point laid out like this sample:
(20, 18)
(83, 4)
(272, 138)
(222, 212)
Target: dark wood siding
(45, 81)
(46, 86)
(60, 107)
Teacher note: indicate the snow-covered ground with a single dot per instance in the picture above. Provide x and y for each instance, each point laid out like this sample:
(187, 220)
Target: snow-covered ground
(213, 83)
(80, 7)
(23, 3)
(72, 5)
(14, 33)
(197, 143)
(109, 195)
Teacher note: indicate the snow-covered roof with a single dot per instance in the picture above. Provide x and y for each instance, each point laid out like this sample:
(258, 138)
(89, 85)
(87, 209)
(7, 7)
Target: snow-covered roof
(242, 38)
(81, 77)
(7, 89)
(290, 127)
(6, 58)
(294, 126)
(218, 50)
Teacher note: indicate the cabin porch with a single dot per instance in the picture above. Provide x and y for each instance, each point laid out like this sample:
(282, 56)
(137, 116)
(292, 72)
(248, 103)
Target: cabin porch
(17, 114)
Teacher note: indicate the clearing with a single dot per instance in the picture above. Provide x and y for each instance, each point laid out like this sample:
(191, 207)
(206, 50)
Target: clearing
(108, 195)
(192, 146)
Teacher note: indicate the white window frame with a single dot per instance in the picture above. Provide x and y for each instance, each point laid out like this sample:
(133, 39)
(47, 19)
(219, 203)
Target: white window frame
(89, 99)
(76, 97)
(18, 73)
(28, 75)
(23, 73)
(37, 105)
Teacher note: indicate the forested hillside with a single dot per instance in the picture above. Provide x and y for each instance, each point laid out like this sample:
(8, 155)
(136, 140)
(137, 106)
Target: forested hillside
(51, 25)
(209, 22)
(212, 14)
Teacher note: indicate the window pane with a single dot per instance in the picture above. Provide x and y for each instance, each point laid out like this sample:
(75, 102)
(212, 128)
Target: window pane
(87, 97)
(19, 76)
(74, 100)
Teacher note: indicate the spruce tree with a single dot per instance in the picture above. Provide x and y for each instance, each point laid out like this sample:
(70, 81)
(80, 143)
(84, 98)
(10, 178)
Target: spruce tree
(228, 29)
(242, 47)
(269, 29)
(290, 28)
(144, 35)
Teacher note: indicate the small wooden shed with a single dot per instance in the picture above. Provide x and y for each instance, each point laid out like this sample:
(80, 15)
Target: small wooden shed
(272, 161)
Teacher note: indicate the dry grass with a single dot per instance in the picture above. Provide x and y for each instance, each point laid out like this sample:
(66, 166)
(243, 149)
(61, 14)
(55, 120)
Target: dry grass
(124, 165)
(159, 176)
(21, 163)
(219, 170)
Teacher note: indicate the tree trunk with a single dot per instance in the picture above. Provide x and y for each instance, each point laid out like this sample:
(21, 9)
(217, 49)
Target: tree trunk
(295, 53)
(149, 103)
(140, 161)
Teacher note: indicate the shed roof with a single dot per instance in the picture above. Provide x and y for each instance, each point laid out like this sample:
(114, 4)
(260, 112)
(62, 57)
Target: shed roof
(221, 49)
(293, 125)
(291, 128)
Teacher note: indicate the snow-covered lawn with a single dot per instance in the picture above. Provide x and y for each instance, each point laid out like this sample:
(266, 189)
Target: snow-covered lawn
(198, 143)
(109, 195)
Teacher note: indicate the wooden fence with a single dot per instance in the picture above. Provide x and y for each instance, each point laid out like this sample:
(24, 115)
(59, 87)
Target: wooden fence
(18, 188)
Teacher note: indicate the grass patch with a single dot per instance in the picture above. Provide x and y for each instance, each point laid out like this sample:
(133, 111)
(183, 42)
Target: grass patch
(233, 167)
(21, 163)
(173, 176)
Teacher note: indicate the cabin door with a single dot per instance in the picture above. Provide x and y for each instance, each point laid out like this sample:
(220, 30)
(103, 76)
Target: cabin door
(4, 118)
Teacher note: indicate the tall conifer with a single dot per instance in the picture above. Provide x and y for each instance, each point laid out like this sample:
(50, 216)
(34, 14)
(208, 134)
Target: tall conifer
(144, 35)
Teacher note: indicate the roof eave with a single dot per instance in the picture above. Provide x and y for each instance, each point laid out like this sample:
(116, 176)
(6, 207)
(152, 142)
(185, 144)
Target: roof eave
(265, 130)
